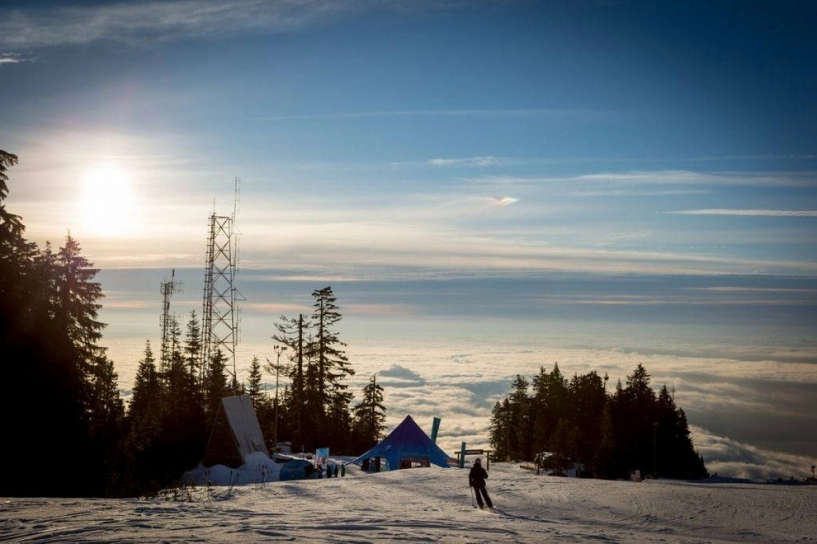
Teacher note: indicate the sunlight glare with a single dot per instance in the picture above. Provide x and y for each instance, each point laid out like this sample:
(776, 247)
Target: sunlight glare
(107, 202)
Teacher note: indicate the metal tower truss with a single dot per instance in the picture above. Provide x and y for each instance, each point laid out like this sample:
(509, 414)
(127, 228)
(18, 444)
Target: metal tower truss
(220, 308)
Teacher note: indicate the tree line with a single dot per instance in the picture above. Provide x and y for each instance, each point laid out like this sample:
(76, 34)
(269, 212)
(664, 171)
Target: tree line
(67, 431)
(561, 423)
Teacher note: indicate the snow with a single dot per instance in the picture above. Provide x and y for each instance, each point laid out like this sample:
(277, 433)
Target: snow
(258, 468)
(428, 504)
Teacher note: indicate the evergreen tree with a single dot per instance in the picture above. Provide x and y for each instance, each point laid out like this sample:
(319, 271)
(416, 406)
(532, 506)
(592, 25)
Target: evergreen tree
(183, 427)
(541, 418)
(77, 305)
(327, 348)
(636, 422)
(144, 410)
(500, 429)
(192, 347)
(586, 410)
(563, 446)
(579, 422)
(605, 460)
(216, 385)
(145, 419)
(254, 382)
(106, 429)
(292, 334)
(319, 400)
(521, 442)
(674, 453)
(370, 416)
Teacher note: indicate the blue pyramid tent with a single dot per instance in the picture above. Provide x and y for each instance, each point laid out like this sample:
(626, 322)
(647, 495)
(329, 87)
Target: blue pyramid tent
(405, 447)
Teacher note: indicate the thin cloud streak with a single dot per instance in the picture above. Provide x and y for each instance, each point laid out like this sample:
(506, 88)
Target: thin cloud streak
(469, 161)
(151, 22)
(11, 58)
(445, 113)
(749, 213)
(606, 180)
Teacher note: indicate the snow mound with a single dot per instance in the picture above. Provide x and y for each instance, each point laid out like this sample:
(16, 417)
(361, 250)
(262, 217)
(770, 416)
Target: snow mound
(258, 468)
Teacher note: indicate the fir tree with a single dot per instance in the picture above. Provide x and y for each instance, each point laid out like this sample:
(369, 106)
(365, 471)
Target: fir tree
(370, 415)
(326, 347)
(216, 385)
(192, 347)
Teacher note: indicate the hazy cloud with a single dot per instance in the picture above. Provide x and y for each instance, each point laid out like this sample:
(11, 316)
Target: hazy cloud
(503, 201)
(13, 58)
(750, 213)
(402, 377)
(469, 161)
(146, 22)
(473, 161)
(605, 182)
(735, 459)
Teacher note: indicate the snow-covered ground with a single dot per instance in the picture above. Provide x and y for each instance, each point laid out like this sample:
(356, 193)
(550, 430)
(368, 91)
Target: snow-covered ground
(430, 505)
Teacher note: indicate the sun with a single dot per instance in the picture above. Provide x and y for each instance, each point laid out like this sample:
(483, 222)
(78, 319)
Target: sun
(107, 200)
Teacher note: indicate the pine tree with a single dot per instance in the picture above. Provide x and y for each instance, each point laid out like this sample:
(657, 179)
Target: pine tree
(254, 381)
(521, 438)
(500, 429)
(541, 418)
(605, 460)
(145, 408)
(370, 415)
(216, 385)
(192, 347)
(326, 347)
(586, 408)
(145, 419)
(292, 334)
(77, 306)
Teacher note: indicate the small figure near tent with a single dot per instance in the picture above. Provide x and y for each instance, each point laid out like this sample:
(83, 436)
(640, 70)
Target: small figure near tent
(476, 479)
(336, 471)
(342, 471)
(328, 470)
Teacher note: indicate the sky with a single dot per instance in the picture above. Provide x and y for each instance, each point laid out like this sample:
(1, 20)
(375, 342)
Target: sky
(489, 187)
(429, 505)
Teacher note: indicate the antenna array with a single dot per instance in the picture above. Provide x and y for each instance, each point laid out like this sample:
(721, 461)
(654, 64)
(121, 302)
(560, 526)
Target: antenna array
(167, 320)
(220, 306)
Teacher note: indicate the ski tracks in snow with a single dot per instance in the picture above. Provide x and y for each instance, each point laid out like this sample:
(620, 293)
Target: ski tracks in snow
(430, 505)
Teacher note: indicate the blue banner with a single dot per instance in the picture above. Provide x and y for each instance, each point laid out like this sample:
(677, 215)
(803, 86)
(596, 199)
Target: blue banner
(434, 428)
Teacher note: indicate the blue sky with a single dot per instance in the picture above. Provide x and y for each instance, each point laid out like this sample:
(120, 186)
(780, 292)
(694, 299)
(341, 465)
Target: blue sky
(609, 182)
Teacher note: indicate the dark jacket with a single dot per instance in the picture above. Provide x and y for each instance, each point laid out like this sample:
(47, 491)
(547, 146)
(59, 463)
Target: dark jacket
(477, 476)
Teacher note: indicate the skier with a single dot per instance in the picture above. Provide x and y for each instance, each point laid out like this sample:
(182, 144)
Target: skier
(476, 479)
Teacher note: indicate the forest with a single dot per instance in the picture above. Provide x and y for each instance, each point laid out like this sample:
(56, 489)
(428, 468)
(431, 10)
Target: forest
(61, 402)
(561, 423)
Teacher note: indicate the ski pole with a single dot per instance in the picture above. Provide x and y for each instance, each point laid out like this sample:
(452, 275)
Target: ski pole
(472, 496)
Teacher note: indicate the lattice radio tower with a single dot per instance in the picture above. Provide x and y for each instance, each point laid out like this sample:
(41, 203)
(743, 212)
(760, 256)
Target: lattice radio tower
(167, 319)
(220, 315)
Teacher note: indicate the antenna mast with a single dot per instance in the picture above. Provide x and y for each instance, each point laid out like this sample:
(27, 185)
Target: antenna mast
(167, 319)
(220, 305)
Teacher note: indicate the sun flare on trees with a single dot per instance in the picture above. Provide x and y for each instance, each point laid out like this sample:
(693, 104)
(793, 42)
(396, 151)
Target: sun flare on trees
(107, 200)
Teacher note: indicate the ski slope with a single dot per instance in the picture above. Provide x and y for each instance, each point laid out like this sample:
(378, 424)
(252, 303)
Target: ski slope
(430, 505)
